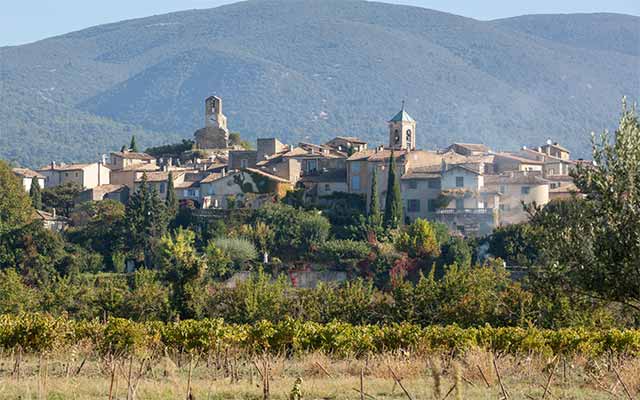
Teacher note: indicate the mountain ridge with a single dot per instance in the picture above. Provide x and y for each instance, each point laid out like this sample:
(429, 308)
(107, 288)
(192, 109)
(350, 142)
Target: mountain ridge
(302, 69)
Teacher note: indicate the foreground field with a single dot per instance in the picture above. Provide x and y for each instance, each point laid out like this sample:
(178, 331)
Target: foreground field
(45, 357)
(472, 376)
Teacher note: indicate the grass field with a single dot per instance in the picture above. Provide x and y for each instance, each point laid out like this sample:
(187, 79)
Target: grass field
(472, 376)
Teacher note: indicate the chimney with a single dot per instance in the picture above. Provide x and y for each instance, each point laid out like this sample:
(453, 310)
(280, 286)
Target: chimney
(54, 213)
(53, 165)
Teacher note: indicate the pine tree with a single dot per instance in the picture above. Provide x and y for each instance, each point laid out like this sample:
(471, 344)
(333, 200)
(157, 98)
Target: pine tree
(36, 194)
(145, 220)
(393, 201)
(133, 146)
(171, 200)
(375, 217)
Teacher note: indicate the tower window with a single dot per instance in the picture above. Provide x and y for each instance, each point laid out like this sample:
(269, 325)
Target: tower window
(409, 137)
(397, 136)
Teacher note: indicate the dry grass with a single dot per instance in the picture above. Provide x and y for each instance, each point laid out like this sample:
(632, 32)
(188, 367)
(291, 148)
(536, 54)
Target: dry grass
(424, 377)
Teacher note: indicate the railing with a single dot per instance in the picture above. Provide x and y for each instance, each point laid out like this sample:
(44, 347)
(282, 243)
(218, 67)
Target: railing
(465, 211)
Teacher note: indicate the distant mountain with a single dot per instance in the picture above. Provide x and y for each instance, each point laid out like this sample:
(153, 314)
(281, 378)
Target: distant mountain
(313, 69)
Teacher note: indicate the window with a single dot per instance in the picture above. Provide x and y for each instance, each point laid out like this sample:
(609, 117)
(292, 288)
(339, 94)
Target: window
(408, 136)
(244, 163)
(431, 205)
(66, 174)
(434, 184)
(355, 167)
(76, 174)
(503, 189)
(413, 205)
(459, 181)
(191, 192)
(396, 136)
(162, 188)
(355, 183)
(327, 187)
(525, 190)
(312, 165)
(459, 204)
(413, 184)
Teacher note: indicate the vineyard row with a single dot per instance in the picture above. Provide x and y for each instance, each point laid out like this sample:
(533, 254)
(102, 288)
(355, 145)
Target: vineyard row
(39, 333)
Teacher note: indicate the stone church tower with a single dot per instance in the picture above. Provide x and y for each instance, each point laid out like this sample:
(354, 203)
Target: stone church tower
(215, 134)
(402, 131)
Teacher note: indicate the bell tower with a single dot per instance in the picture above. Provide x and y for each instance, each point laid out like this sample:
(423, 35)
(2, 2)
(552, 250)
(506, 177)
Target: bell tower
(402, 131)
(214, 118)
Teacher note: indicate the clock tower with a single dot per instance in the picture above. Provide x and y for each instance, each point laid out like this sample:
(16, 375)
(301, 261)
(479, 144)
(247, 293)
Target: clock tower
(214, 117)
(215, 134)
(402, 131)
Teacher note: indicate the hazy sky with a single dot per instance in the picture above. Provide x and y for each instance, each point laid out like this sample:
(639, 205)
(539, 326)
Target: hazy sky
(23, 21)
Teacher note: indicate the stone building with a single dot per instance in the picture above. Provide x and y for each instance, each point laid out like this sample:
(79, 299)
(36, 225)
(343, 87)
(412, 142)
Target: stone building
(27, 175)
(215, 134)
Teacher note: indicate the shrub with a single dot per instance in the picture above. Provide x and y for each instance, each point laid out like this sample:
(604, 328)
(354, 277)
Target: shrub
(343, 251)
(241, 251)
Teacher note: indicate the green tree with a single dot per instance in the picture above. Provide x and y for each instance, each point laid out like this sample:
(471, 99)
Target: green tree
(184, 271)
(218, 262)
(35, 194)
(419, 240)
(98, 226)
(61, 198)
(393, 201)
(15, 296)
(15, 206)
(375, 217)
(148, 299)
(593, 245)
(133, 146)
(171, 200)
(145, 221)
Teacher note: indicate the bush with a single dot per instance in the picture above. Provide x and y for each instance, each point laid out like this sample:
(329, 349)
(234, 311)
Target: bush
(343, 251)
(240, 251)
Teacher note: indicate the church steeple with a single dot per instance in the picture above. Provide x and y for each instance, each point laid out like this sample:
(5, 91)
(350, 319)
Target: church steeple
(402, 131)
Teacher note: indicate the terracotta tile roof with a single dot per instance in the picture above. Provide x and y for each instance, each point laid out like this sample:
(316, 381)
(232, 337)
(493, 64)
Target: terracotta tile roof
(361, 155)
(515, 179)
(159, 176)
(131, 155)
(476, 147)
(466, 167)
(27, 173)
(210, 178)
(331, 176)
(139, 167)
(518, 158)
(187, 184)
(104, 189)
(266, 175)
(65, 167)
(351, 139)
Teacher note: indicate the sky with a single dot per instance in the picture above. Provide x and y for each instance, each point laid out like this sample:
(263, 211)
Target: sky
(24, 21)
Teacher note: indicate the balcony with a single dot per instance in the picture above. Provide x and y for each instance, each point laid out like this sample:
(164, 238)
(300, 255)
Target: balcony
(478, 211)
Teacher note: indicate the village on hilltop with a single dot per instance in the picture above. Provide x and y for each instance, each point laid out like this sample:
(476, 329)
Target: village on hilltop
(469, 187)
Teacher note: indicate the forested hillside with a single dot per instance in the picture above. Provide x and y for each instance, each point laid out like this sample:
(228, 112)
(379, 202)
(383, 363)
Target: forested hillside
(307, 69)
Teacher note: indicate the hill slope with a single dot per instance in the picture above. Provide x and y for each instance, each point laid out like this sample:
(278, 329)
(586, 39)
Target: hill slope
(308, 70)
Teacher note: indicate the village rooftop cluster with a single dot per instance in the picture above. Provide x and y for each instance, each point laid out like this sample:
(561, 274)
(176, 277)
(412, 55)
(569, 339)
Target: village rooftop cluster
(469, 187)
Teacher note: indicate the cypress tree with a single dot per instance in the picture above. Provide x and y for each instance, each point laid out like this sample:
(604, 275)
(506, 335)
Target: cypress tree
(35, 194)
(133, 146)
(145, 220)
(171, 200)
(393, 201)
(375, 218)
